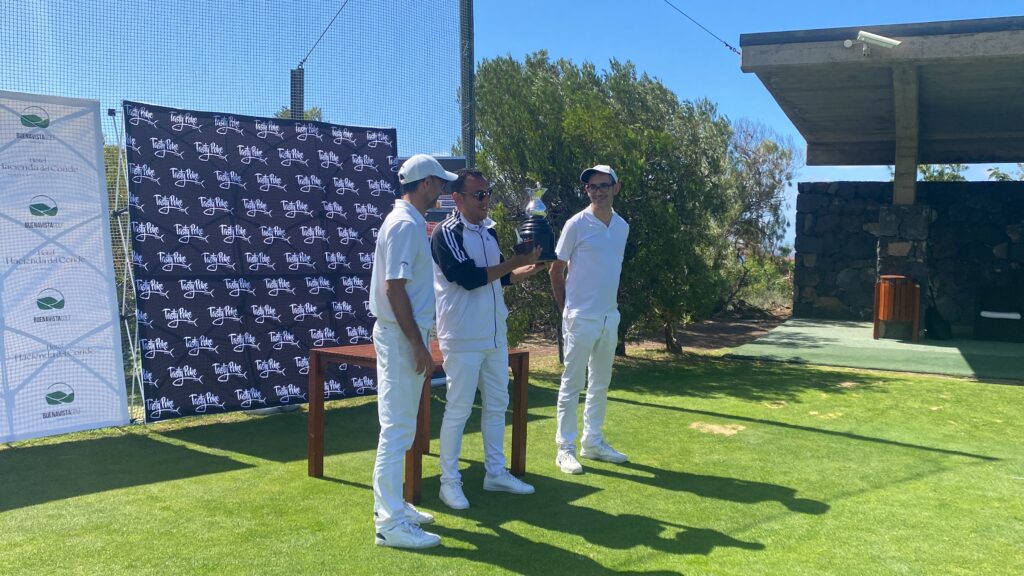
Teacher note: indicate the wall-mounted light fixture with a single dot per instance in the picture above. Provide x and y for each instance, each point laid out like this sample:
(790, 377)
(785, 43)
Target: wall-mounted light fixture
(867, 40)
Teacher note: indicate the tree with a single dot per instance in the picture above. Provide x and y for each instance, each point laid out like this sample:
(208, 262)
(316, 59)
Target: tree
(942, 172)
(995, 173)
(545, 121)
(313, 113)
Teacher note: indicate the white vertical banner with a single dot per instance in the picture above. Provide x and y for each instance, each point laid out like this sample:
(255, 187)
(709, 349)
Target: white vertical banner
(60, 346)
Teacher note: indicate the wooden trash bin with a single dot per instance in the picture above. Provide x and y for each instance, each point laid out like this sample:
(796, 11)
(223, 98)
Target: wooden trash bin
(897, 299)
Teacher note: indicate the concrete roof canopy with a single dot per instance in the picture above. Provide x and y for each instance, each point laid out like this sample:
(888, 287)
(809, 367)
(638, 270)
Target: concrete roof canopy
(949, 92)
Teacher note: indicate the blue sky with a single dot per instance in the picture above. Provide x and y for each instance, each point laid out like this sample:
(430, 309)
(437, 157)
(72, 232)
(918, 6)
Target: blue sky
(663, 43)
(235, 55)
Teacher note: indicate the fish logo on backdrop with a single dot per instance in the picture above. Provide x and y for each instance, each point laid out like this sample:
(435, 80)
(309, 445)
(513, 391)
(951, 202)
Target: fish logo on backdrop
(215, 204)
(344, 185)
(232, 232)
(221, 314)
(146, 289)
(168, 203)
(207, 150)
(308, 183)
(204, 401)
(227, 124)
(292, 208)
(374, 139)
(343, 135)
(251, 154)
(249, 396)
(332, 209)
(140, 114)
(268, 181)
(158, 406)
(169, 261)
(265, 128)
(277, 285)
(181, 121)
(279, 340)
(216, 261)
(181, 374)
(185, 177)
(164, 146)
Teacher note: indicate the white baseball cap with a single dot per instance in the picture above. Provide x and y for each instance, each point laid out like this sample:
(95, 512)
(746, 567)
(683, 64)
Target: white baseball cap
(420, 166)
(603, 169)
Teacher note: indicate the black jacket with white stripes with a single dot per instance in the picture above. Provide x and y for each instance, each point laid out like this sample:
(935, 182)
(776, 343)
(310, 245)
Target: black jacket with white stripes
(471, 312)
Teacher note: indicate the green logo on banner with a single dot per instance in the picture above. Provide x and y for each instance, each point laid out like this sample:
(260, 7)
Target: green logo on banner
(60, 393)
(43, 206)
(35, 117)
(50, 299)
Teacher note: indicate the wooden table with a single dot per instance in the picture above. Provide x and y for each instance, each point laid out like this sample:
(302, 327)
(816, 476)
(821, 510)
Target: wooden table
(365, 355)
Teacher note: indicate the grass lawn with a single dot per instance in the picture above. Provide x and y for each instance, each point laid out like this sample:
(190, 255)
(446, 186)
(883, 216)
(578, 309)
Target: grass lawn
(736, 468)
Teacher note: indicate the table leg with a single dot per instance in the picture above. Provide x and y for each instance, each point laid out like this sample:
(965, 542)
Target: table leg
(315, 417)
(520, 377)
(414, 456)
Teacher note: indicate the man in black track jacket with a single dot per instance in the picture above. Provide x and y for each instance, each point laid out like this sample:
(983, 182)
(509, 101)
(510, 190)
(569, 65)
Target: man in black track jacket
(469, 272)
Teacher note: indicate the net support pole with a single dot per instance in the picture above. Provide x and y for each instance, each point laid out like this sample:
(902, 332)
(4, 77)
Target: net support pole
(298, 91)
(468, 95)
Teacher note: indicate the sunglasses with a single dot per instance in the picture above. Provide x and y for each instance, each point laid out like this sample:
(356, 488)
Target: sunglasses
(602, 187)
(480, 195)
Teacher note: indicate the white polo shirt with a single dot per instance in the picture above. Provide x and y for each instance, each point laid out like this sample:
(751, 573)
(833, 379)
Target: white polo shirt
(594, 252)
(403, 252)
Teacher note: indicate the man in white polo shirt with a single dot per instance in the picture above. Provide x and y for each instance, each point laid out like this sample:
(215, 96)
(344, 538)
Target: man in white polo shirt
(402, 299)
(591, 247)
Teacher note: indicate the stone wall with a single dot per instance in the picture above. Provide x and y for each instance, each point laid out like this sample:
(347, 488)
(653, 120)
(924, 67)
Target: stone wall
(957, 238)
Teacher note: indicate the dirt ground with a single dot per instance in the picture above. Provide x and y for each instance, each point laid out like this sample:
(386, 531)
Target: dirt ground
(721, 332)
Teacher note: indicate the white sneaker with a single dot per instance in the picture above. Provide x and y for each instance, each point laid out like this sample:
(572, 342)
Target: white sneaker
(567, 461)
(603, 452)
(418, 516)
(504, 481)
(451, 494)
(413, 515)
(406, 534)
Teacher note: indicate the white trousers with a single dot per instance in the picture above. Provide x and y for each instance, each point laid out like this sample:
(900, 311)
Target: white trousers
(487, 371)
(589, 353)
(398, 399)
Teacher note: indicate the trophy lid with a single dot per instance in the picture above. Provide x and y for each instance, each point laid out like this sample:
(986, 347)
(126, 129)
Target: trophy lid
(536, 206)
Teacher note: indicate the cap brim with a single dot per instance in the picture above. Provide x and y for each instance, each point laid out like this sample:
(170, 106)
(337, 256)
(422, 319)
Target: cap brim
(586, 174)
(450, 176)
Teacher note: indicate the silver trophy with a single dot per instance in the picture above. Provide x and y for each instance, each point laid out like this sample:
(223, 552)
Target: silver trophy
(535, 230)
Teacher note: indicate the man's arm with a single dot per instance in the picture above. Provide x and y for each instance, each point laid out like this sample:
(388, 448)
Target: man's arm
(402, 307)
(457, 267)
(557, 274)
(514, 264)
(524, 272)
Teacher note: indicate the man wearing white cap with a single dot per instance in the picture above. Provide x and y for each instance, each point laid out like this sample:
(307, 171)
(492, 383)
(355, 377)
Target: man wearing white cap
(591, 247)
(402, 299)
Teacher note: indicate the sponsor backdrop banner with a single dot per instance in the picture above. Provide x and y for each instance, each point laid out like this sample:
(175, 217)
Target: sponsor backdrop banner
(60, 345)
(253, 240)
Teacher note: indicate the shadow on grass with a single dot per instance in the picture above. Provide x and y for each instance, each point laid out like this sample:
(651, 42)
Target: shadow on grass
(551, 509)
(703, 377)
(849, 435)
(717, 487)
(38, 474)
(347, 429)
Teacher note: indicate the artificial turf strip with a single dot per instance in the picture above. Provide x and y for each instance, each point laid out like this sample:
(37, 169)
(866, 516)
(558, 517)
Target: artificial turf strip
(850, 344)
(736, 468)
